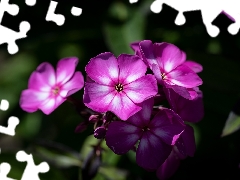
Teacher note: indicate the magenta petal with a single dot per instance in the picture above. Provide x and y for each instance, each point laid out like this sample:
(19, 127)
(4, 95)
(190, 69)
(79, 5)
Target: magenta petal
(188, 93)
(184, 76)
(142, 117)
(30, 100)
(141, 89)
(157, 73)
(122, 106)
(152, 152)
(169, 167)
(65, 69)
(130, 68)
(193, 66)
(75, 84)
(167, 125)
(51, 104)
(47, 73)
(135, 46)
(186, 143)
(122, 136)
(98, 97)
(188, 110)
(103, 69)
(37, 82)
(146, 48)
(168, 56)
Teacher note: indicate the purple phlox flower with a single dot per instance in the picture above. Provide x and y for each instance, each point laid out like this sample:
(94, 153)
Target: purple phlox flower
(170, 67)
(156, 135)
(118, 84)
(48, 89)
(185, 146)
(188, 110)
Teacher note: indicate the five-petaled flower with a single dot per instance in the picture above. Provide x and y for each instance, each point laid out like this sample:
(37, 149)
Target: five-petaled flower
(48, 89)
(170, 67)
(118, 84)
(156, 135)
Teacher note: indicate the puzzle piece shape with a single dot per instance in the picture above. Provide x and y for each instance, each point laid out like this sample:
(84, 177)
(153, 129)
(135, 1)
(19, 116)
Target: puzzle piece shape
(133, 1)
(51, 16)
(4, 105)
(7, 35)
(12, 123)
(4, 170)
(31, 171)
(30, 2)
(209, 10)
(12, 9)
(76, 11)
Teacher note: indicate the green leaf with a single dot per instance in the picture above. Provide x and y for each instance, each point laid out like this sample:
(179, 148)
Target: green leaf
(58, 158)
(111, 173)
(119, 37)
(232, 124)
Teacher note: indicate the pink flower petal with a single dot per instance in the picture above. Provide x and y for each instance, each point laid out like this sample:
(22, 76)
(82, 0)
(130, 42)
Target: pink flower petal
(193, 66)
(168, 56)
(51, 104)
(135, 46)
(184, 76)
(130, 68)
(157, 73)
(65, 69)
(147, 52)
(167, 125)
(187, 93)
(186, 143)
(103, 69)
(141, 89)
(122, 136)
(188, 110)
(47, 73)
(30, 100)
(142, 118)
(75, 84)
(152, 151)
(37, 83)
(98, 97)
(169, 167)
(123, 107)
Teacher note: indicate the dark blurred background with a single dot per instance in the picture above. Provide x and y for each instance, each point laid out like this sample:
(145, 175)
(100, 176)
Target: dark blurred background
(110, 26)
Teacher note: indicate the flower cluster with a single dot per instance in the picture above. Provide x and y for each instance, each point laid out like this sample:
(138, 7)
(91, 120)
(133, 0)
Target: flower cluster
(125, 104)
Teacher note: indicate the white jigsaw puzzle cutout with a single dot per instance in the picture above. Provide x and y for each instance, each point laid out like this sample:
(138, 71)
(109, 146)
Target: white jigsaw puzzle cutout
(209, 10)
(30, 2)
(4, 170)
(59, 19)
(12, 121)
(31, 171)
(8, 35)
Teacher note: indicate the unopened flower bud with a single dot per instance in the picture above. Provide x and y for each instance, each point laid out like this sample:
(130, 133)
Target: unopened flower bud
(100, 132)
(93, 118)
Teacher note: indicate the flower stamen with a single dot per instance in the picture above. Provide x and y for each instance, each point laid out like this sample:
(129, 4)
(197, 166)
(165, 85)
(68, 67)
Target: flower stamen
(119, 87)
(163, 75)
(145, 129)
(56, 90)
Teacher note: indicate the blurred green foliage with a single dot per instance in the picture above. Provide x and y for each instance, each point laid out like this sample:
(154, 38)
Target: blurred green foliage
(111, 26)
